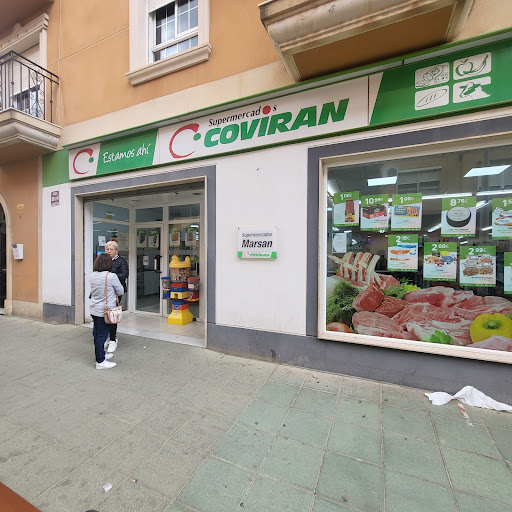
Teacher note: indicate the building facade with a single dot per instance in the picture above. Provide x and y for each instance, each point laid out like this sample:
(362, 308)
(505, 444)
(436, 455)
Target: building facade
(339, 176)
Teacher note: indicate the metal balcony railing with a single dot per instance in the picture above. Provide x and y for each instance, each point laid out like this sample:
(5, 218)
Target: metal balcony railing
(27, 87)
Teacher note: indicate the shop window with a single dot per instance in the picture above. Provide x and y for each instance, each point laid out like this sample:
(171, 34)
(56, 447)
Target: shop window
(419, 253)
(167, 36)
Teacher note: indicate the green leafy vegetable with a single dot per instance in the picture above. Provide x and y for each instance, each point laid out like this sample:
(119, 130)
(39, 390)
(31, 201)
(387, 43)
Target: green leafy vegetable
(397, 291)
(339, 305)
(439, 337)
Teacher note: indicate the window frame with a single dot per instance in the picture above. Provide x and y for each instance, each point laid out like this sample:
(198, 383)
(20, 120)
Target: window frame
(142, 35)
(179, 36)
(390, 154)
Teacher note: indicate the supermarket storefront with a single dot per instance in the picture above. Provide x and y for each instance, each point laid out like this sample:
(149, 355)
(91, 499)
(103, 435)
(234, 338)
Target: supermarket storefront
(388, 194)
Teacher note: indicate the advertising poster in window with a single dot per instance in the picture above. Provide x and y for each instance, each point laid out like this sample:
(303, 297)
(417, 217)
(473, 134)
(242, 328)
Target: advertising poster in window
(154, 238)
(406, 212)
(141, 239)
(458, 216)
(339, 242)
(403, 253)
(122, 242)
(478, 266)
(440, 261)
(502, 218)
(174, 236)
(374, 213)
(507, 272)
(190, 237)
(346, 209)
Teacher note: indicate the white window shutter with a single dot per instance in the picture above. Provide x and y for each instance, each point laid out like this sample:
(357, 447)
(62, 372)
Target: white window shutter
(153, 5)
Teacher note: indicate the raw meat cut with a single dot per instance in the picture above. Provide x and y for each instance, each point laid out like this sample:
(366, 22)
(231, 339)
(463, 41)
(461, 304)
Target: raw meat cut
(494, 343)
(458, 331)
(375, 324)
(359, 270)
(490, 304)
(441, 296)
(368, 299)
(424, 312)
(390, 306)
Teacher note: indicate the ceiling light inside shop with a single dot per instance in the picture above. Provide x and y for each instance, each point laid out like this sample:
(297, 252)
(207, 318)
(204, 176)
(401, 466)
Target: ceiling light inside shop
(390, 180)
(443, 196)
(486, 171)
(481, 204)
(435, 228)
(493, 192)
(329, 209)
(348, 231)
(465, 242)
(487, 228)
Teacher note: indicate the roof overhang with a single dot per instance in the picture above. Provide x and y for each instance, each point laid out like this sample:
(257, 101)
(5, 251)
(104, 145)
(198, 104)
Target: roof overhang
(318, 37)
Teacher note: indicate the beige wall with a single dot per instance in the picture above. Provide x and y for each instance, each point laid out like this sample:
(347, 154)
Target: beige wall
(20, 185)
(88, 48)
(486, 16)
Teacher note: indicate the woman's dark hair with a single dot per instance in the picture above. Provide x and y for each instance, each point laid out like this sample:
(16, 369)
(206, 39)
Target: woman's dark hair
(103, 262)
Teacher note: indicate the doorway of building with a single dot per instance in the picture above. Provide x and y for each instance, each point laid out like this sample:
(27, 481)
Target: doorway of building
(3, 258)
(149, 228)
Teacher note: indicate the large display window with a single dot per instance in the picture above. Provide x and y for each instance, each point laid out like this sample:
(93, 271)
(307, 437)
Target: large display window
(417, 252)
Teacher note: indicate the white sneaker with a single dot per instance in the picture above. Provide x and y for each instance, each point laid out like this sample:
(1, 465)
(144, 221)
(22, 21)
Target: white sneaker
(109, 356)
(104, 365)
(112, 345)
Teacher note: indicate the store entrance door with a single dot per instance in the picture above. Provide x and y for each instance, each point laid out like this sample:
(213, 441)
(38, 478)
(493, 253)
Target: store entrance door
(150, 258)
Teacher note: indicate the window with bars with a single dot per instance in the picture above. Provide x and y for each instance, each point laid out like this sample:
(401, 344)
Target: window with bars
(173, 27)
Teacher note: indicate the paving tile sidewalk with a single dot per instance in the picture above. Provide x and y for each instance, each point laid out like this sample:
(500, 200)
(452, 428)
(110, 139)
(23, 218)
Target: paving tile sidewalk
(175, 428)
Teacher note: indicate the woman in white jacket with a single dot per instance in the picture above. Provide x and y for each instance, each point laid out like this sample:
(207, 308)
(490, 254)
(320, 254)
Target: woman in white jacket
(103, 280)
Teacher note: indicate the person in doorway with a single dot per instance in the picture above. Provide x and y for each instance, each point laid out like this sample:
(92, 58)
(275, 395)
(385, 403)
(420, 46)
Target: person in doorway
(119, 267)
(105, 285)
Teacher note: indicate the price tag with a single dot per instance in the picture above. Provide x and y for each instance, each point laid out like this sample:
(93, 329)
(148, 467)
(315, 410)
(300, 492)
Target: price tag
(502, 218)
(440, 261)
(346, 209)
(406, 212)
(478, 266)
(403, 252)
(507, 272)
(374, 213)
(458, 216)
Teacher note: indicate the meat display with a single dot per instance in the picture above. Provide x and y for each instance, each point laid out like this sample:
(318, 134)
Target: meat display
(438, 314)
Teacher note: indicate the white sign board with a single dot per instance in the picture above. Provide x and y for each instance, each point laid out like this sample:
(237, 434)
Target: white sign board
(257, 243)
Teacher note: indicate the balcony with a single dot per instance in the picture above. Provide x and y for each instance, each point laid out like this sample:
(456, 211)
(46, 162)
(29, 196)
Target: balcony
(27, 109)
(318, 37)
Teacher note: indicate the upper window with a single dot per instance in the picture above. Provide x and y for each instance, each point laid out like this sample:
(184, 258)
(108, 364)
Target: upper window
(174, 28)
(167, 36)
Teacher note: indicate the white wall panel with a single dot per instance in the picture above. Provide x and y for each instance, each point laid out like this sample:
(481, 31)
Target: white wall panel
(264, 188)
(56, 240)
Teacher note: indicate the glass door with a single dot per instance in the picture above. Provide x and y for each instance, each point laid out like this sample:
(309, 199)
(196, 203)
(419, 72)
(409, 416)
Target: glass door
(149, 267)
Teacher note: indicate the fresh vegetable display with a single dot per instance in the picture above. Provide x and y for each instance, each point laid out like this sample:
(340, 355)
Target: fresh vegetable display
(486, 325)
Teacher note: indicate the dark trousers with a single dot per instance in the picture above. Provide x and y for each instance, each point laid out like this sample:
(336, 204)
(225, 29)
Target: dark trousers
(100, 333)
(113, 327)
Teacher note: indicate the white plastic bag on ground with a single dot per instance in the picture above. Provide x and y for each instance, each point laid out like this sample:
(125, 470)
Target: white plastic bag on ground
(470, 396)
